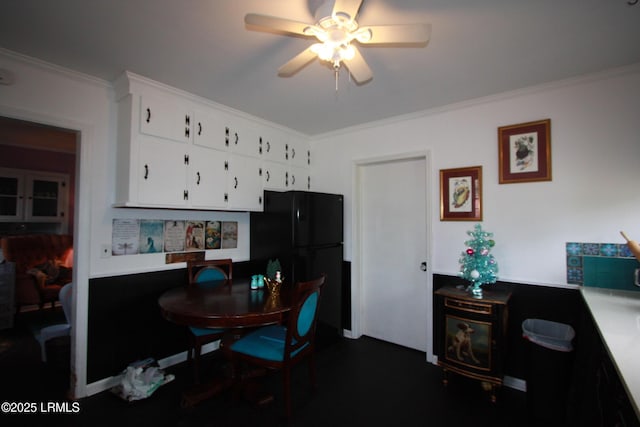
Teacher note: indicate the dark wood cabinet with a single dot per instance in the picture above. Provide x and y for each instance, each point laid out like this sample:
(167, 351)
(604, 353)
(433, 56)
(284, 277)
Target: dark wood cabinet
(471, 334)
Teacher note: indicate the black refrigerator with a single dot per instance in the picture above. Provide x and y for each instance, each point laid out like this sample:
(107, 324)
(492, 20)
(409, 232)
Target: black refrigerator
(304, 230)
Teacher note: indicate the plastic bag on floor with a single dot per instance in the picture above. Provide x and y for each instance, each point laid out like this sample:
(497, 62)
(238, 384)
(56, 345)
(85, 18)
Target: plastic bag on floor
(140, 380)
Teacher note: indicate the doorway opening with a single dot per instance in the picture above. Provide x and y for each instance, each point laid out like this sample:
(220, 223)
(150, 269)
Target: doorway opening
(40, 164)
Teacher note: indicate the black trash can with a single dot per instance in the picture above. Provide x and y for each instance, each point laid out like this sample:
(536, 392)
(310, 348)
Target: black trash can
(549, 368)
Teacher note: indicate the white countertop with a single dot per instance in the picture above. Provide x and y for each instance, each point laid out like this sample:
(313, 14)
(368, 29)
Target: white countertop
(617, 317)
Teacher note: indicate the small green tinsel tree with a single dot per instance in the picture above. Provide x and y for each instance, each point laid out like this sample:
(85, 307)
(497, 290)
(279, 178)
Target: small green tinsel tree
(476, 263)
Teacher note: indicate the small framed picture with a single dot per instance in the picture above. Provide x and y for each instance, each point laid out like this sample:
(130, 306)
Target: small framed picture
(461, 194)
(524, 152)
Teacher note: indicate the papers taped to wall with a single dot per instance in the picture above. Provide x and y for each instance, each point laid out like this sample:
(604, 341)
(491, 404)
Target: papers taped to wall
(140, 380)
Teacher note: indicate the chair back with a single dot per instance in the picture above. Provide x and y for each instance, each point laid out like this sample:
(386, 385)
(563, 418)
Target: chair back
(65, 300)
(303, 317)
(210, 270)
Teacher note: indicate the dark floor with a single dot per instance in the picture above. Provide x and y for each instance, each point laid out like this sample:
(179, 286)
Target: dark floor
(361, 382)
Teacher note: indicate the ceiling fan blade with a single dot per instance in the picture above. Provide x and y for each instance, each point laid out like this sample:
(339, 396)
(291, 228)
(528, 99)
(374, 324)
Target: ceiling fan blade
(295, 64)
(274, 23)
(349, 7)
(358, 67)
(409, 33)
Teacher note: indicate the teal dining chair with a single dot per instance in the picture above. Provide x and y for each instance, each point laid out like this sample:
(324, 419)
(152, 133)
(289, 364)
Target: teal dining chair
(206, 273)
(280, 347)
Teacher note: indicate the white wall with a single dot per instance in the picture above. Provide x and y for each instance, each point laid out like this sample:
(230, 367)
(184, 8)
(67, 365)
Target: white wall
(595, 140)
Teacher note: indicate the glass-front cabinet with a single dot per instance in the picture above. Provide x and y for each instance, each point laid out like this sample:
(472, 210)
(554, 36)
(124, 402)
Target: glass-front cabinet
(32, 196)
(11, 196)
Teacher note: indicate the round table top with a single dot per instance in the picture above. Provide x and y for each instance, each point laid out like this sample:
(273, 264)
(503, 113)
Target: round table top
(224, 305)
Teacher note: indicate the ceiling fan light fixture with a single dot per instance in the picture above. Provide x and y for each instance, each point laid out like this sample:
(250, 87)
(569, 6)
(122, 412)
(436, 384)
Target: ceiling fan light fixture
(363, 35)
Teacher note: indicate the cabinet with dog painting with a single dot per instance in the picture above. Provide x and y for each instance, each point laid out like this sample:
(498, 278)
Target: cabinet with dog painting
(471, 334)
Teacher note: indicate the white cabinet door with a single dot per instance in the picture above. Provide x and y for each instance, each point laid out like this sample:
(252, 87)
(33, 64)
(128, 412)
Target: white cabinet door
(209, 130)
(46, 197)
(299, 153)
(207, 178)
(244, 183)
(299, 179)
(165, 118)
(162, 173)
(274, 145)
(243, 138)
(275, 176)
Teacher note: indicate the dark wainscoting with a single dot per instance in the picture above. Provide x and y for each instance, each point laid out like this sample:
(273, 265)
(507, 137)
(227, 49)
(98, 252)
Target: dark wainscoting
(125, 324)
(528, 302)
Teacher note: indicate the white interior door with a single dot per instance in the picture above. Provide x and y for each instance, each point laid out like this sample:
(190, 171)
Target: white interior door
(394, 288)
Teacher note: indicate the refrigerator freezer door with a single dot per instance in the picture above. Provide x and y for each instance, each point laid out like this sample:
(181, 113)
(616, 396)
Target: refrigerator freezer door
(309, 263)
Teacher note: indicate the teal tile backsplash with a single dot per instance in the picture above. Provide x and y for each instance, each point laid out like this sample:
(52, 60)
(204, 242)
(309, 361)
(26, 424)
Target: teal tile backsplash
(602, 265)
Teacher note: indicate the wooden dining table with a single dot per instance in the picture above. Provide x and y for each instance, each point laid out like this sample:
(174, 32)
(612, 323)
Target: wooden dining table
(223, 304)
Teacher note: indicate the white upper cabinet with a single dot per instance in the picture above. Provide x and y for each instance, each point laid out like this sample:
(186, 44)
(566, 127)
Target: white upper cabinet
(176, 150)
(165, 118)
(244, 183)
(161, 173)
(210, 130)
(299, 153)
(208, 175)
(274, 145)
(243, 137)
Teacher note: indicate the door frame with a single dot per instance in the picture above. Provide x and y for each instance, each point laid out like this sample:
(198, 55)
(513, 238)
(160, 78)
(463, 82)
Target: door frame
(81, 238)
(357, 304)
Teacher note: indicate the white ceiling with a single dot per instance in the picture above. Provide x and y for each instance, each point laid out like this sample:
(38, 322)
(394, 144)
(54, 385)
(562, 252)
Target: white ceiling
(477, 48)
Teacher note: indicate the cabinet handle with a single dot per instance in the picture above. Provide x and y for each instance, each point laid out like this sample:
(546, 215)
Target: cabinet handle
(268, 146)
(226, 197)
(198, 180)
(148, 115)
(237, 138)
(185, 195)
(260, 200)
(235, 179)
(260, 172)
(293, 179)
(146, 171)
(226, 136)
(186, 132)
(226, 165)
(286, 179)
(286, 152)
(186, 159)
(293, 153)
(308, 183)
(268, 176)
(199, 129)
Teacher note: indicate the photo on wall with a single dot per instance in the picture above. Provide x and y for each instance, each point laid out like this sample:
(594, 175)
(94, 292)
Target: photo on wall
(229, 234)
(125, 236)
(151, 236)
(174, 236)
(194, 236)
(213, 235)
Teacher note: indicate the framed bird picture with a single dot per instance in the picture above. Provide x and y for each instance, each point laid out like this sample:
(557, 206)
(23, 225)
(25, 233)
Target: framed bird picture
(461, 194)
(524, 152)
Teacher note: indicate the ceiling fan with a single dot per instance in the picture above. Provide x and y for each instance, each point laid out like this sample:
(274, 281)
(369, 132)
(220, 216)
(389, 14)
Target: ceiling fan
(336, 29)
